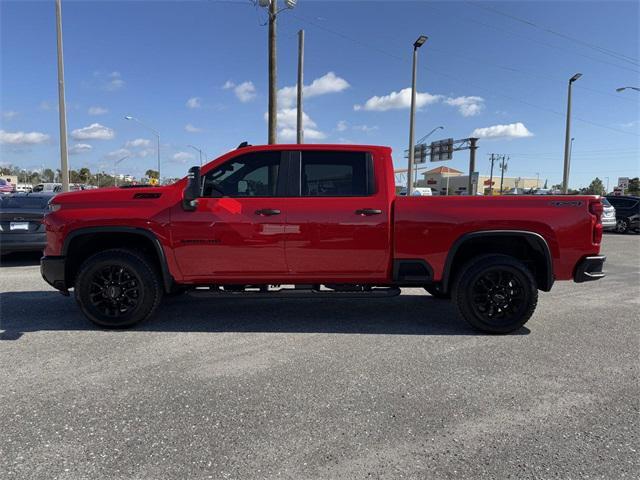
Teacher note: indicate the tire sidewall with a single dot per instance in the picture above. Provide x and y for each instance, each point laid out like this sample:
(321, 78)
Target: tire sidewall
(144, 275)
(469, 275)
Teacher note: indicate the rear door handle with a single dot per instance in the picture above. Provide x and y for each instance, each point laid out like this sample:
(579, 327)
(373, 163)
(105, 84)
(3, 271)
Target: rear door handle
(368, 211)
(267, 212)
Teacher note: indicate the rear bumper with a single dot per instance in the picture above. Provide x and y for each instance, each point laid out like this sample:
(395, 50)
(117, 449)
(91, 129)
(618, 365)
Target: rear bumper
(589, 269)
(52, 270)
(22, 242)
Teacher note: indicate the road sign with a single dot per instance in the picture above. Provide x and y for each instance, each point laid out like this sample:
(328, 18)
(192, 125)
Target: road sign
(441, 150)
(420, 153)
(623, 182)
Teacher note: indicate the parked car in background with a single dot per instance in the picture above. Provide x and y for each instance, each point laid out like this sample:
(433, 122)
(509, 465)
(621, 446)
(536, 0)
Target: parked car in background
(608, 215)
(48, 187)
(627, 212)
(21, 227)
(6, 187)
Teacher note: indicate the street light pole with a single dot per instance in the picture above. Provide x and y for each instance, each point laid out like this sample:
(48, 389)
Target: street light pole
(197, 150)
(64, 159)
(416, 45)
(565, 176)
(300, 127)
(115, 165)
(273, 87)
(155, 132)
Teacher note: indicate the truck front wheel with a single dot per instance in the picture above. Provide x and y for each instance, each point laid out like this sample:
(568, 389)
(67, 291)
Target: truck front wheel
(495, 293)
(117, 288)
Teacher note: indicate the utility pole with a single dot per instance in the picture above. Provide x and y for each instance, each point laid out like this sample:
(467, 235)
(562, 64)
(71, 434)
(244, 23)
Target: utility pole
(472, 162)
(416, 45)
(537, 180)
(299, 126)
(503, 168)
(565, 176)
(273, 87)
(493, 159)
(64, 159)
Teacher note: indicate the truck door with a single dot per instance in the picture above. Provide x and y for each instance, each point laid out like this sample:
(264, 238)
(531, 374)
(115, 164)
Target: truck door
(237, 231)
(338, 223)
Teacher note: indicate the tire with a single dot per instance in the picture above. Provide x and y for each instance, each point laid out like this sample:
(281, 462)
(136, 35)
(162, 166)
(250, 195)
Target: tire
(436, 293)
(117, 288)
(622, 225)
(495, 293)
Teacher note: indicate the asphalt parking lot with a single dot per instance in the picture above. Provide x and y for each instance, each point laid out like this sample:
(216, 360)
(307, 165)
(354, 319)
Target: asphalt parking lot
(282, 388)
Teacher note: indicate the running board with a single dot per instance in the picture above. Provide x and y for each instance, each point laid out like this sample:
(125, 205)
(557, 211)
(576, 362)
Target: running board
(295, 293)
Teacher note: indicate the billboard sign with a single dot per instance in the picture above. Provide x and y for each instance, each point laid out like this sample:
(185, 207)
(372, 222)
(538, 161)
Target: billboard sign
(441, 150)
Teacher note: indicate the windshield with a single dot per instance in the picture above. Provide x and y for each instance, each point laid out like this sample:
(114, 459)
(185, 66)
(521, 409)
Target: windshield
(605, 202)
(24, 201)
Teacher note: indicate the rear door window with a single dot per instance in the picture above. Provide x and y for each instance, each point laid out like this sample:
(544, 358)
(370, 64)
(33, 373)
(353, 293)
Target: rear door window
(334, 174)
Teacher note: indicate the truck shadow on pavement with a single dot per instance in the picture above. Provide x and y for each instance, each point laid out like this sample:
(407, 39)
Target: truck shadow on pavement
(23, 312)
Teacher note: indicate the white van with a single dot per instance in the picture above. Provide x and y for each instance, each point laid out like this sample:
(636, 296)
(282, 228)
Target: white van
(418, 192)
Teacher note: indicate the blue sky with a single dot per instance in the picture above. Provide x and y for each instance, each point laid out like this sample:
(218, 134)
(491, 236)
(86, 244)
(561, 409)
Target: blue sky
(196, 71)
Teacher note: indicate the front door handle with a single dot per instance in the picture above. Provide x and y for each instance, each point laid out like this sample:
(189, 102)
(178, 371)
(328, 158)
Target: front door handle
(368, 211)
(267, 212)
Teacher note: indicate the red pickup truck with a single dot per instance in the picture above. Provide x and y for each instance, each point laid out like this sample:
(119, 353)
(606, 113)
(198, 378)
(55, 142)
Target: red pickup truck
(314, 220)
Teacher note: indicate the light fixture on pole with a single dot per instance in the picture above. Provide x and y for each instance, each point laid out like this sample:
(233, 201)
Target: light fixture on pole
(155, 132)
(622, 89)
(197, 150)
(416, 45)
(565, 175)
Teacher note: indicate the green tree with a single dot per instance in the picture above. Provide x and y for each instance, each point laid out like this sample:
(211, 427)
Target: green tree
(634, 186)
(595, 187)
(47, 175)
(151, 173)
(84, 174)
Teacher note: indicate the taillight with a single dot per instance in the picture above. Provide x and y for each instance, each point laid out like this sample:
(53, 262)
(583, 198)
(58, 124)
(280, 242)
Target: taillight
(596, 209)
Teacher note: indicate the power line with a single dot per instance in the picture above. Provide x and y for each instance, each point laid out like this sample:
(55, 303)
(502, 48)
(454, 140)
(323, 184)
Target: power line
(460, 80)
(598, 48)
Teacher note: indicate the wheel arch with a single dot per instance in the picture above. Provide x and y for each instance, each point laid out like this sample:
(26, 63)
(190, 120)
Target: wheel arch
(530, 247)
(79, 244)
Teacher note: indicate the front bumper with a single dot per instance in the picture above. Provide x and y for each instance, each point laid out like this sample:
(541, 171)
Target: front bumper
(52, 270)
(589, 269)
(609, 223)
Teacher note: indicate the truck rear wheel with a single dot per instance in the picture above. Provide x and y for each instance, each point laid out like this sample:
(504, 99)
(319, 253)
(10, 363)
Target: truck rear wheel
(495, 293)
(117, 288)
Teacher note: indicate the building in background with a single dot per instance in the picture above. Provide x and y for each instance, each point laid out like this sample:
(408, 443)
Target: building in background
(440, 178)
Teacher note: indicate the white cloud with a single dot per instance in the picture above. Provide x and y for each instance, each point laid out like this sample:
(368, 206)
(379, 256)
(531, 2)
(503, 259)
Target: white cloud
(192, 129)
(23, 138)
(512, 130)
(9, 114)
(342, 126)
(182, 157)
(118, 154)
(138, 142)
(97, 111)
(328, 83)
(467, 106)
(397, 100)
(287, 124)
(113, 82)
(80, 148)
(194, 102)
(365, 128)
(95, 131)
(245, 92)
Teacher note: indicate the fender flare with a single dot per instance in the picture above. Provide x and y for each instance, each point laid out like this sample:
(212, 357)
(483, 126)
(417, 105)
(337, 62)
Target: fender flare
(167, 279)
(535, 241)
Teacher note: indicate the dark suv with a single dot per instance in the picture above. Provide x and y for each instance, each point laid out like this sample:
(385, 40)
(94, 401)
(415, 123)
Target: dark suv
(627, 212)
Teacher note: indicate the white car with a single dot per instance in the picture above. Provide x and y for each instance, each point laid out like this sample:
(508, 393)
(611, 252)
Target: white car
(608, 215)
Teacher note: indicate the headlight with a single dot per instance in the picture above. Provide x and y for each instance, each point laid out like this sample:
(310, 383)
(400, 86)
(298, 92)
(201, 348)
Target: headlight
(54, 207)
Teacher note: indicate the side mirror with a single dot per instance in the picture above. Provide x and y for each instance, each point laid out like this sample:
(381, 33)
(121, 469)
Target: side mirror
(192, 190)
